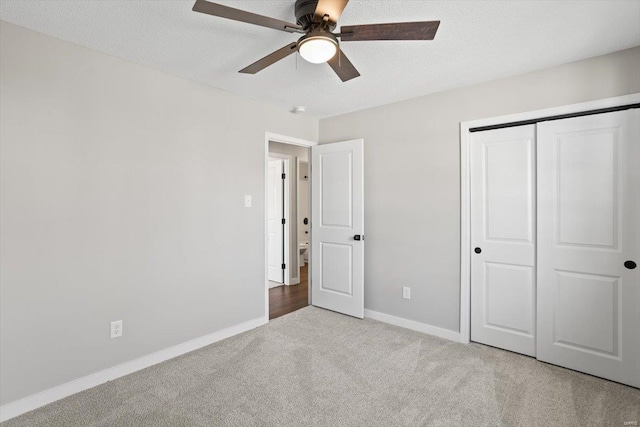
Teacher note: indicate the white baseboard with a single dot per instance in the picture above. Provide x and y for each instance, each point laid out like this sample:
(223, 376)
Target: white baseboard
(413, 325)
(29, 403)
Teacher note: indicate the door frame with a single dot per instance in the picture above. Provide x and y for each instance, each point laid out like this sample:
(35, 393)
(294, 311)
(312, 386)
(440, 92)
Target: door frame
(308, 162)
(465, 185)
(286, 214)
(274, 137)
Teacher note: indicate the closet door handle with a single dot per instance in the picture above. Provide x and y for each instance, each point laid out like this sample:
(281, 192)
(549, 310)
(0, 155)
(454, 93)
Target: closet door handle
(477, 250)
(358, 237)
(630, 265)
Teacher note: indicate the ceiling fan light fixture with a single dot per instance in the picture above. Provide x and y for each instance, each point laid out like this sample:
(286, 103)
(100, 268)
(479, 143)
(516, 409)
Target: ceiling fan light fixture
(318, 47)
(316, 19)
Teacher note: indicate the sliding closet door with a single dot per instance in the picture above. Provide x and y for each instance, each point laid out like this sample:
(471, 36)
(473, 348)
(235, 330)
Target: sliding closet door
(589, 243)
(503, 290)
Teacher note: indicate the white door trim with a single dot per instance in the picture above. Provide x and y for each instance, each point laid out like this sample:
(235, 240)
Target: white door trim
(269, 136)
(465, 185)
(297, 178)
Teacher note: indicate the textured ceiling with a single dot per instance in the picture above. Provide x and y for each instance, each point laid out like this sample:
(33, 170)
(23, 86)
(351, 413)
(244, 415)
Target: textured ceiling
(477, 41)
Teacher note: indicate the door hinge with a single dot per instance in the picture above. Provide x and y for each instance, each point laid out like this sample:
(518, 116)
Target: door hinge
(284, 221)
(284, 176)
(284, 266)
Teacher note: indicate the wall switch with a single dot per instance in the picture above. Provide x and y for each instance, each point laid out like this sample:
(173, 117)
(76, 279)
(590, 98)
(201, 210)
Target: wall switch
(247, 201)
(116, 328)
(406, 292)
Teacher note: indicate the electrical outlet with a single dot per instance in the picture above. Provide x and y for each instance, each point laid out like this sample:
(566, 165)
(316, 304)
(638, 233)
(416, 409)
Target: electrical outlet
(406, 292)
(116, 328)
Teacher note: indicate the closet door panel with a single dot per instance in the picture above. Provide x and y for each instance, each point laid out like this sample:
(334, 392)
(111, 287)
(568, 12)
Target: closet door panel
(588, 226)
(503, 290)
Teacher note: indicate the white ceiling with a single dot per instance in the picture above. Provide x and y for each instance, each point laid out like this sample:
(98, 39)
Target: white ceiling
(477, 41)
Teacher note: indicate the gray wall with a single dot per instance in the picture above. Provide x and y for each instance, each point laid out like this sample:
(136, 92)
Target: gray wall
(412, 176)
(122, 197)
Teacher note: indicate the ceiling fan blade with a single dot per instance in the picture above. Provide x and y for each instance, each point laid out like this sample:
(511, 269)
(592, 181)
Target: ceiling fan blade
(270, 59)
(216, 9)
(333, 8)
(425, 30)
(343, 67)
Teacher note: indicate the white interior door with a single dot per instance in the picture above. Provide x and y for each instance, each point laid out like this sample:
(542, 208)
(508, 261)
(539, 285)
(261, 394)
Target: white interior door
(275, 214)
(337, 253)
(503, 284)
(588, 228)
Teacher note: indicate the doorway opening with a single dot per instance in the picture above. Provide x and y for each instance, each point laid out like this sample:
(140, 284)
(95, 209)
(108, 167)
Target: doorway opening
(288, 225)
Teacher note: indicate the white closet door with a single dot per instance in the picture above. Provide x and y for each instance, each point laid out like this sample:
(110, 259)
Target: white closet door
(503, 285)
(275, 214)
(588, 227)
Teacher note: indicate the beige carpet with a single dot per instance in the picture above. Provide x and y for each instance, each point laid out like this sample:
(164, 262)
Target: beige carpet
(315, 367)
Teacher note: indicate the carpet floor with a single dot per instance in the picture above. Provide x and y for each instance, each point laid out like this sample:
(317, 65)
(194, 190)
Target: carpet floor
(316, 367)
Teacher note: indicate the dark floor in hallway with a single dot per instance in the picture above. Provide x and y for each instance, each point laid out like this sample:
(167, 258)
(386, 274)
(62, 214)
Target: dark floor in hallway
(285, 299)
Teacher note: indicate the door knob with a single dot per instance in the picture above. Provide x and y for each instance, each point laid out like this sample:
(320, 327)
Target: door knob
(630, 265)
(358, 237)
(477, 250)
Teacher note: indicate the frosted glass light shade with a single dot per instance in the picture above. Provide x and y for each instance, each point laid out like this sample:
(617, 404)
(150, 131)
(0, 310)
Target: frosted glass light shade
(317, 49)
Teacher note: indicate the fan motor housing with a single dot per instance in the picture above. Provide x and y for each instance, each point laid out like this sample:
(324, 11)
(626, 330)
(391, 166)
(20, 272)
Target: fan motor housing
(305, 10)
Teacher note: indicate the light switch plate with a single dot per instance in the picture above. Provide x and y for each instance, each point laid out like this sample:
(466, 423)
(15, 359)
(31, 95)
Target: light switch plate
(247, 201)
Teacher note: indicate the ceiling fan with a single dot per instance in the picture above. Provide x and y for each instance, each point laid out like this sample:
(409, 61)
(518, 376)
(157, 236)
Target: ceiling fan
(316, 19)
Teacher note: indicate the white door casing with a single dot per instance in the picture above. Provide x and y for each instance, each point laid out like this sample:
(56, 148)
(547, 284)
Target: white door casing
(275, 213)
(503, 283)
(588, 226)
(337, 205)
(303, 193)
